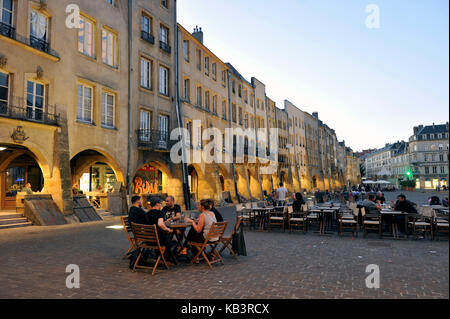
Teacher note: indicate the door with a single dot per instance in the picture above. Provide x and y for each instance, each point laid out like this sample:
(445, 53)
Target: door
(163, 131)
(35, 100)
(13, 180)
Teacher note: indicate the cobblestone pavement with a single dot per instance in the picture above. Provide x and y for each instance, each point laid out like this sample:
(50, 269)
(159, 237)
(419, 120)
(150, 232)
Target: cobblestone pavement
(278, 265)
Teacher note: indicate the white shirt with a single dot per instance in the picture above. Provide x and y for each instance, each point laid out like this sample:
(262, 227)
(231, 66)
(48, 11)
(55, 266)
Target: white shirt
(282, 193)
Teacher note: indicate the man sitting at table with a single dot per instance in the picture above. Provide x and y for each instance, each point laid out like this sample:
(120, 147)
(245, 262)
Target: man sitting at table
(380, 198)
(406, 206)
(370, 205)
(172, 211)
(156, 217)
(136, 214)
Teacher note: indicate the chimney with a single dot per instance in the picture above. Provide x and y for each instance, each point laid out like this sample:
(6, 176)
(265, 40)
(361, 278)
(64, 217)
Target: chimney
(198, 34)
(316, 115)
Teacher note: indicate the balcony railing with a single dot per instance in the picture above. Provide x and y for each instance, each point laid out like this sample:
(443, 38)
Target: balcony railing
(7, 30)
(17, 109)
(39, 44)
(147, 37)
(155, 139)
(165, 47)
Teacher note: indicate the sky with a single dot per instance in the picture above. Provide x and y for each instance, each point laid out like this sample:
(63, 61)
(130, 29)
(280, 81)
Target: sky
(372, 85)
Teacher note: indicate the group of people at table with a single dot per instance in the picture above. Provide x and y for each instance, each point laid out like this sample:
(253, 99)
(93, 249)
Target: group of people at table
(164, 217)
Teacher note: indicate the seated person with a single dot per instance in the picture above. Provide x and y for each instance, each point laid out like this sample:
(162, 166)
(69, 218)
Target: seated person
(298, 202)
(445, 202)
(172, 211)
(434, 200)
(403, 205)
(200, 229)
(27, 189)
(380, 198)
(136, 214)
(156, 217)
(213, 209)
(370, 205)
(269, 199)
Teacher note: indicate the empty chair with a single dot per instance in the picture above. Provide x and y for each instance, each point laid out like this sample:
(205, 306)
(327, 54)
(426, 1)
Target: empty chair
(277, 218)
(421, 223)
(129, 233)
(371, 221)
(297, 219)
(348, 219)
(440, 224)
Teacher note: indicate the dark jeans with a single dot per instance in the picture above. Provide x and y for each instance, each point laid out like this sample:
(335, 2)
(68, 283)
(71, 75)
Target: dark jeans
(401, 223)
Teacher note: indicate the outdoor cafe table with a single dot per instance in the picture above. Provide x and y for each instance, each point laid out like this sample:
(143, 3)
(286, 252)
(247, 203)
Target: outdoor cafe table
(179, 235)
(388, 212)
(321, 211)
(262, 214)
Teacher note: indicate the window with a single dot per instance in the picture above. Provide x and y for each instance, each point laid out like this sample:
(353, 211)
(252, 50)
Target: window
(145, 125)
(163, 128)
(441, 157)
(207, 65)
(187, 89)
(246, 120)
(39, 31)
(424, 136)
(111, 2)
(108, 109)
(85, 37)
(224, 110)
(4, 92)
(163, 80)
(233, 112)
(186, 50)
(214, 71)
(240, 115)
(35, 100)
(146, 29)
(146, 73)
(224, 77)
(214, 104)
(164, 39)
(233, 87)
(84, 103)
(165, 3)
(109, 44)
(442, 169)
(434, 170)
(240, 90)
(199, 96)
(427, 170)
(6, 14)
(199, 60)
(207, 100)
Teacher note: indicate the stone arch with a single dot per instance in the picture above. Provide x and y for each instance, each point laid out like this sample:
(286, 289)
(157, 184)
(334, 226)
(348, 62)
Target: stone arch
(92, 156)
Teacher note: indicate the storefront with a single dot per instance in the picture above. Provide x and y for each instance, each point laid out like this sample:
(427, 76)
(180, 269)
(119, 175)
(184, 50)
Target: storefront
(100, 177)
(148, 181)
(20, 171)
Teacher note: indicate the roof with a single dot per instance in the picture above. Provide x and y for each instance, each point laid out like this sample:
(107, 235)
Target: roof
(237, 74)
(431, 129)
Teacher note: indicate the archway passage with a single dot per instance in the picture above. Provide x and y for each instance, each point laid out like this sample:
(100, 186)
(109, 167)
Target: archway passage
(149, 180)
(18, 167)
(93, 172)
(193, 182)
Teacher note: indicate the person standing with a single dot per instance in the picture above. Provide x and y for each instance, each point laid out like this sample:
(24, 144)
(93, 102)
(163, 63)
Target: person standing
(282, 193)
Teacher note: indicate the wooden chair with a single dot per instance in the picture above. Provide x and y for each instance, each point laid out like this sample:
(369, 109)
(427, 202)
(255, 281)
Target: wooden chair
(146, 237)
(276, 218)
(371, 221)
(348, 220)
(440, 224)
(227, 241)
(420, 223)
(217, 230)
(297, 219)
(129, 233)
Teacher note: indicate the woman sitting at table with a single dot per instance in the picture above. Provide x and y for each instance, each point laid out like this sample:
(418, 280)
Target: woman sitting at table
(200, 229)
(298, 202)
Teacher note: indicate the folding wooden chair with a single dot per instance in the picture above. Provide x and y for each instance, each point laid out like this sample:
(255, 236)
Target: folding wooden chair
(129, 233)
(217, 230)
(371, 221)
(276, 218)
(146, 237)
(349, 220)
(227, 241)
(440, 224)
(297, 219)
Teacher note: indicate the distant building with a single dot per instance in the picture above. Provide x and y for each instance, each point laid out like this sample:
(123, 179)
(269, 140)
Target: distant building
(429, 154)
(379, 163)
(401, 163)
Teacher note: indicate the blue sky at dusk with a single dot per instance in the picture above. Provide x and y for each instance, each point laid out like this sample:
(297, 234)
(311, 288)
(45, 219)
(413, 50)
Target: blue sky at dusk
(371, 85)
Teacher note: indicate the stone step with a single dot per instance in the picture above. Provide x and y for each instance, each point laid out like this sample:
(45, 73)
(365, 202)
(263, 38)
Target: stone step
(10, 221)
(16, 225)
(9, 215)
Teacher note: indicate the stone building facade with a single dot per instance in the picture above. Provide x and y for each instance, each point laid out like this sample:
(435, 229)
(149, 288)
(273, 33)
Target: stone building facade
(93, 105)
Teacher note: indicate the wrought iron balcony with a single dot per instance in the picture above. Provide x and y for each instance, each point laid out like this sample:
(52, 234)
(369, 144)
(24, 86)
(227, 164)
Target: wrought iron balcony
(155, 140)
(7, 30)
(147, 37)
(18, 109)
(39, 44)
(165, 47)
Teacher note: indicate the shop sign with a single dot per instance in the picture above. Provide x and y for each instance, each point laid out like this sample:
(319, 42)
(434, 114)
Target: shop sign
(144, 187)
